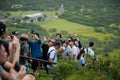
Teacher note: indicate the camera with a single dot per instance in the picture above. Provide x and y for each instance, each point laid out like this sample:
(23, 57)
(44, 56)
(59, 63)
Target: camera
(17, 66)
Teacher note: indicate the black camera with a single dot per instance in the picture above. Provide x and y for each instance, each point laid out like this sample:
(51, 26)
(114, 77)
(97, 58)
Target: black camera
(17, 66)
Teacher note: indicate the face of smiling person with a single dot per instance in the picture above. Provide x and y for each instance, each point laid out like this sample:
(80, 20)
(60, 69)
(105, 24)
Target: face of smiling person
(3, 54)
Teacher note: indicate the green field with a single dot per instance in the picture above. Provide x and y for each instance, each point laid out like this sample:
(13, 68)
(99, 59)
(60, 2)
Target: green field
(71, 28)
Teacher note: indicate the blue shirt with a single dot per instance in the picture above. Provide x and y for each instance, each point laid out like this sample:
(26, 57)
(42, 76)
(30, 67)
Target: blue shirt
(1, 69)
(35, 48)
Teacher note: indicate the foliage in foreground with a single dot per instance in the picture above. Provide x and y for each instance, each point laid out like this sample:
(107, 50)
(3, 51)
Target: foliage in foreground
(106, 68)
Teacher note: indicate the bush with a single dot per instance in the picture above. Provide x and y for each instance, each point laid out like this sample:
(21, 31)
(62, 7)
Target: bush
(64, 69)
(106, 68)
(53, 30)
(96, 29)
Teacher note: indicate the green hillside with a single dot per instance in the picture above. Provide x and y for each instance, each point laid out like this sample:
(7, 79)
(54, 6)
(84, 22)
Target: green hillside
(89, 12)
(71, 28)
(91, 20)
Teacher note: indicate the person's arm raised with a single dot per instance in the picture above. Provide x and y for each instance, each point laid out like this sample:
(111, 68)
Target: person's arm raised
(15, 50)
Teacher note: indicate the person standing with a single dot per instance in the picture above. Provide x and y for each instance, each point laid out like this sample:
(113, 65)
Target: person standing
(73, 50)
(89, 50)
(52, 54)
(23, 51)
(35, 46)
(81, 58)
(66, 49)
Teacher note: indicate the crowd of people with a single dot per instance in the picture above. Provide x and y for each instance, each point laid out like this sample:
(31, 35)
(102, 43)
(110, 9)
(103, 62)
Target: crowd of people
(14, 67)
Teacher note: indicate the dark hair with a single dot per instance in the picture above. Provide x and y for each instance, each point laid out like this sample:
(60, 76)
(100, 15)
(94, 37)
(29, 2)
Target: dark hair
(82, 51)
(6, 46)
(75, 40)
(37, 34)
(57, 43)
(64, 42)
(71, 40)
(23, 39)
(10, 36)
(70, 37)
(2, 28)
(91, 44)
(59, 35)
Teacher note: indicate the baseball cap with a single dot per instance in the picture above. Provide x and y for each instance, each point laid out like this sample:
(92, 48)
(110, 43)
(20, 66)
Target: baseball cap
(15, 33)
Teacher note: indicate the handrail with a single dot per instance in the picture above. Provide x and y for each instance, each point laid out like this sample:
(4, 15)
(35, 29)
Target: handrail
(41, 60)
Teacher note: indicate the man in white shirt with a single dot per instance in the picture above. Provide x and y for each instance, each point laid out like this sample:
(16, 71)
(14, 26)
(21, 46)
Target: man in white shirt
(89, 50)
(74, 50)
(52, 54)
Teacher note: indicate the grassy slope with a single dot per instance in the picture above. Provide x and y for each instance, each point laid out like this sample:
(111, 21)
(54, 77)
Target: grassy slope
(62, 24)
(71, 27)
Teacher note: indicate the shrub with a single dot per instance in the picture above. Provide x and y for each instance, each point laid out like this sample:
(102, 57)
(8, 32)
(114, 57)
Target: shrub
(64, 68)
(53, 30)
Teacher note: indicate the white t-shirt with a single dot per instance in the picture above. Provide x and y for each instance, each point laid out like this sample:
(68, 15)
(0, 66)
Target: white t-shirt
(82, 60)
(53, 54)
(78, 50)
(89, 51)
(74, 51)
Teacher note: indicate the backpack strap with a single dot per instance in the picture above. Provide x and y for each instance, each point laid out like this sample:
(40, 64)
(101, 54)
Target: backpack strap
(29, 51)
(87, 50)
(49, 54)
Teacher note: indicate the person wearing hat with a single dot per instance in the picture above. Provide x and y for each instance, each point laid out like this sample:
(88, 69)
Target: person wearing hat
(15, 33)
(23, 51)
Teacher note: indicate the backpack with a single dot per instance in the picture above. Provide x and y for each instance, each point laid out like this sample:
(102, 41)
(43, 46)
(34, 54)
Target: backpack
(48, 55)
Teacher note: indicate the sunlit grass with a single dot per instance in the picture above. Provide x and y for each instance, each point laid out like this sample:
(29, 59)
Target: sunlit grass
(71, 28)
(115, 52)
